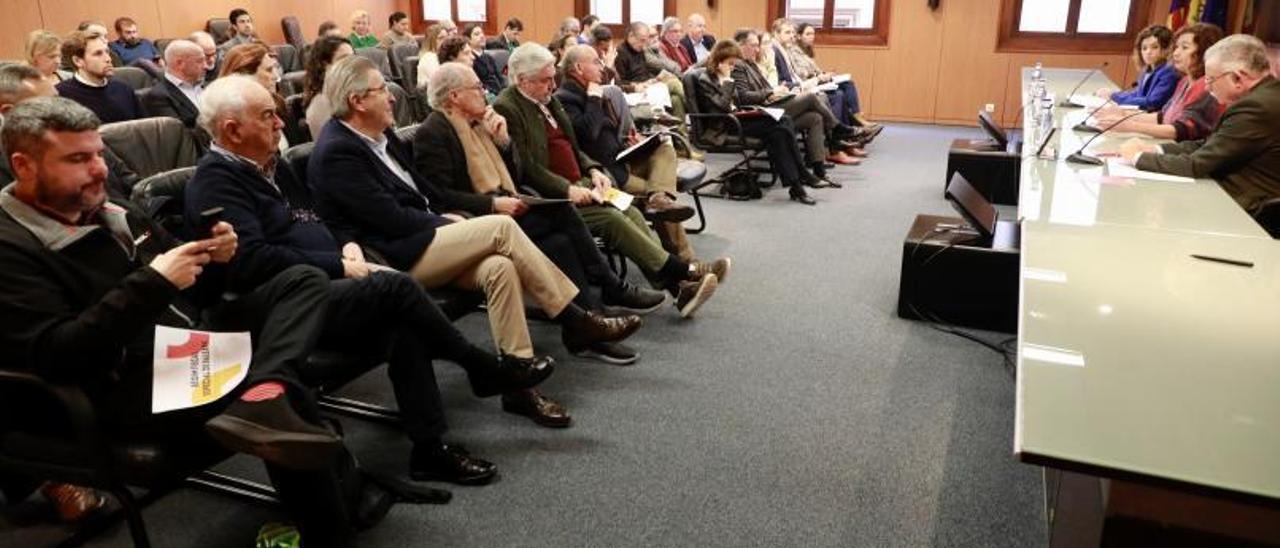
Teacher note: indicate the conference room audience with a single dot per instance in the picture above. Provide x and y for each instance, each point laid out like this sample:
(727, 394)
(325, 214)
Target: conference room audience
(484, 64)
(83, 311)
(19, 83)
(367, 188)
(766, 62)
(362, 35)
(716, 92)
(129, 45)
(651, 175)
(1192, 112)
(428, 58)
(398, 31)
(697, 42)
(44, 53)
(1243, 153)
(92, 85)
(1157, 78)
(672, 33)
(570, 26)
(212, 55)
(177, 94)
(509, 39)
(242, 29)
(825, 137)
(589, 23)
(844, 102)
(370, 306)
(556, 167)
(464, 150)
(324, 53)
(635, 73)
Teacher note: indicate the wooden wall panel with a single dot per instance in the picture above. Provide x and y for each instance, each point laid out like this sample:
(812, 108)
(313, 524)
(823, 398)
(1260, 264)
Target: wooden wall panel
(62, 16)
(968, 82)
(183, 18)
(859, 63)
(21, 17)
(1116, 71)
(906, 72)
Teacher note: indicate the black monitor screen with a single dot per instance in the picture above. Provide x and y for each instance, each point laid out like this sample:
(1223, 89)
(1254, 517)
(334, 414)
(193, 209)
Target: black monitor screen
(971, 205)
(996, 132)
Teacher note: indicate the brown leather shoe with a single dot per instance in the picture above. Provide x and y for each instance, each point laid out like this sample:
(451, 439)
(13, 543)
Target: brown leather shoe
(540, 409)
(73, 502)
(660, 207)
(843, 159)
(719, 267)
(591, 328)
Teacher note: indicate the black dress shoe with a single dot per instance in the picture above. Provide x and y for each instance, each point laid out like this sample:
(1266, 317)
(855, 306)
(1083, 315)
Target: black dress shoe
(542, 410)
(444, 463)
(272, 431)
(632, 299)
(511, 373)
(591, 327)
(799, 195)
(372, 505)
(842, 131)
(817, 182)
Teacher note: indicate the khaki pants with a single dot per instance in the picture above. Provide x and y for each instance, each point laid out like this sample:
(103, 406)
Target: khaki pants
(657, 173)
(492, 254)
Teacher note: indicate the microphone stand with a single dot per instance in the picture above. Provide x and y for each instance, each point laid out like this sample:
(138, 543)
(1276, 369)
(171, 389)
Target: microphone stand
(1066, 101)
(1079, 157)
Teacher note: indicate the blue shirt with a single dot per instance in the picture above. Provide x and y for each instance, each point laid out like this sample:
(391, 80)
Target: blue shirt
(1154, 89)
(144, 49)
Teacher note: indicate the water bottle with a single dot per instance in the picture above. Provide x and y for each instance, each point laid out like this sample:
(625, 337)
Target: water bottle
(1046, 113)
(1038, 71)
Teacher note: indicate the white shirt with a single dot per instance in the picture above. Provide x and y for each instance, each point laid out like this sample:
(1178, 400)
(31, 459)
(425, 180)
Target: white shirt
(379, 148)
(191, 91)
(700, 51)
(546, 112)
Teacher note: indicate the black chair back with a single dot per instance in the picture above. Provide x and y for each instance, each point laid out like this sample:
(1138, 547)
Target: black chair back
(293, 32)
(161, 196)
(411, 75)
(219, 27)
(380, 60)
(152, 69)
(288, 57)
(292, 83)
(295, 120)
(500, 57)
(152, 145)
(297, 157)
(398, 54)
(134, 77)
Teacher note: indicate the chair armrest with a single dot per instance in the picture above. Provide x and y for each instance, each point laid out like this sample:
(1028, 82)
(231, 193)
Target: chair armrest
(734, 121)
(70, 400)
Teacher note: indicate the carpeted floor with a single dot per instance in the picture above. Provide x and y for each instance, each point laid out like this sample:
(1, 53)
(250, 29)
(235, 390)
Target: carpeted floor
(795, 410)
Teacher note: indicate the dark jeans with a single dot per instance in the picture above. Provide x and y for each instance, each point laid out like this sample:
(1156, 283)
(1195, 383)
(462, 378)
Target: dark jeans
(844, 102)
(390, 308)
(561, 235)
(780, 141)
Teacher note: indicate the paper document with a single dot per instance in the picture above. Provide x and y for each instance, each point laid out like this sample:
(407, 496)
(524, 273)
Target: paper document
(617, 198)
(642, 148)
(841, 78)
(1086, 101)
(776, 113)
(827, 87)
(191, 368)
(1117, 168)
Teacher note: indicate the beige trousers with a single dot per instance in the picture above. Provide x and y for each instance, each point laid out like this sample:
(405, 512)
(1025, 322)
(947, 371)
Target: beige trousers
(492, 254)
(657, 173)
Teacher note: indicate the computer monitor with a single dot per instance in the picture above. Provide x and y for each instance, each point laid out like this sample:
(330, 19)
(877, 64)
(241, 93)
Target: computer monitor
(971, 205)
(995, 131)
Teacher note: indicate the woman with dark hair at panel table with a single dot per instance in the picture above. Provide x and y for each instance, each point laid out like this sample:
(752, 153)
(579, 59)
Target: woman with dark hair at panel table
(715, 94)
(1155, 85)
(1192, 112)
(485, 66)
(326, 51)
(806, 66)
(256, 60)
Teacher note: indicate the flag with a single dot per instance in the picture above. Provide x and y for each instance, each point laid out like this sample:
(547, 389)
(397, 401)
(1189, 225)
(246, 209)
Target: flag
(1194, 9)
(1178, 11)
(1215, 12)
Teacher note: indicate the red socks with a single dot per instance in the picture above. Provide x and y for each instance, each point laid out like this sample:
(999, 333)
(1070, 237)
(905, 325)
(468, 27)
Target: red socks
(269, 390)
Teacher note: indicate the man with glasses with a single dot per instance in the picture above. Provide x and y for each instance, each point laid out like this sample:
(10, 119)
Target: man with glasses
(212, 55)
(1243, 152)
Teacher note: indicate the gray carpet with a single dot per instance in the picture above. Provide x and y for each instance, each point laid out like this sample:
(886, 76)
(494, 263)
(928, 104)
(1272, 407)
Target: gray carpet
(795, 410)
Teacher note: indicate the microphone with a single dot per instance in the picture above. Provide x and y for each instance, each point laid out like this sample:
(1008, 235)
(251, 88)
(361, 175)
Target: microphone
(1081, 158)
(1066, 101)
(1084, 126)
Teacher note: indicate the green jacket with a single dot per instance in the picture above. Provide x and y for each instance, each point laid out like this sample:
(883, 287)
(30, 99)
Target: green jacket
(529, 135)
(1242, 153)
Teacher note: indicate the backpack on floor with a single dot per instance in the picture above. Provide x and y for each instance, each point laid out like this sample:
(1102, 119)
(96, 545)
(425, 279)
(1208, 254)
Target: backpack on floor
(741, 185)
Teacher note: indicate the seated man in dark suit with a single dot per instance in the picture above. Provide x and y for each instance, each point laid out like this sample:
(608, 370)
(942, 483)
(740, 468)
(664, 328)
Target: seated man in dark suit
(21, 82)
(556, 167)
(1243, 152)
(697, 42)
(87, 281)
(368, 303)
(92, 85)
(464, 150)
(177, 95)
(367, 188)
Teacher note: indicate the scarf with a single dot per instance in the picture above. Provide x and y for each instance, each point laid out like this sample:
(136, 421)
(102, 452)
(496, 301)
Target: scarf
(484, 163)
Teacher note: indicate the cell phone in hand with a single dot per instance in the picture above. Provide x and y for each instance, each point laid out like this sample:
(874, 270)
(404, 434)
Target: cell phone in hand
(209, 218)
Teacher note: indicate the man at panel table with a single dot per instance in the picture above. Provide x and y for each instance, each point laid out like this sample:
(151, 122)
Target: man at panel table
(1243, 152)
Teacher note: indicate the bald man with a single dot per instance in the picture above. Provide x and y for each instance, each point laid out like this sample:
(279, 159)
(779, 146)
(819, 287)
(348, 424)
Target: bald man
(177, 94)
(697, 42)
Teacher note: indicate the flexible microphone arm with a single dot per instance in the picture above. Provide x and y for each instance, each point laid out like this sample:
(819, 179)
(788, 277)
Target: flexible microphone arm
(1066, 101)
(1081, 158)
(1084, 126)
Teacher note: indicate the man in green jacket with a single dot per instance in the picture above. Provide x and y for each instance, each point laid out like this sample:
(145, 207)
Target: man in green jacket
(1243, 152)
(556, 168)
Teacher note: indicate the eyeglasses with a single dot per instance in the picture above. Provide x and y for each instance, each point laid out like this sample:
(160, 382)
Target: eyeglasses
(473, 87)
(1209, 80)
(378, 89)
